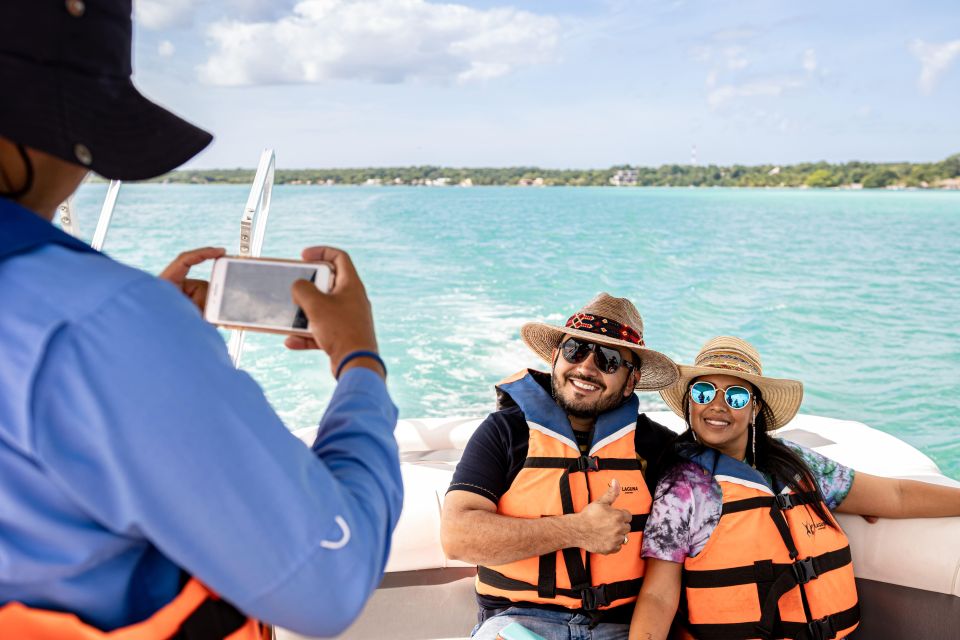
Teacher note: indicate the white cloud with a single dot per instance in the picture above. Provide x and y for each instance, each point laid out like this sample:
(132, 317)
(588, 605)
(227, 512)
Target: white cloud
(378, 40)
(935, 60)
(770, 87)
(166, 49)
(163, 14)
(726, 81)
(735, 58)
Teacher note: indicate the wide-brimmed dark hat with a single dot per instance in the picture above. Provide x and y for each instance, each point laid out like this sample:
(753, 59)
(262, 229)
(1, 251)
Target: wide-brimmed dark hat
(65, 89)
(610, 321)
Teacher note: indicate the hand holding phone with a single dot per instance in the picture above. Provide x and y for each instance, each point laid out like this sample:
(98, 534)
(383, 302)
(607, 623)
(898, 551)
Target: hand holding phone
(341, 321)
(254, 293)
(177, 271)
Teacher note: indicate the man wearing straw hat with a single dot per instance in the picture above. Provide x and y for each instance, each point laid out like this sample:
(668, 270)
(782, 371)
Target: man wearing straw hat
(549, 498)
(147, 487)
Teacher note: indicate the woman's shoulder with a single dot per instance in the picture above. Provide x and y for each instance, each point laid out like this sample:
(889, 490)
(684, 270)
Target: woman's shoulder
(819, 464)
(686, 510)
(686, 479)
(834, 479)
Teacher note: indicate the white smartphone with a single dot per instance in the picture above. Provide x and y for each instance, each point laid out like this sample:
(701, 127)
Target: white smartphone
(254, 293)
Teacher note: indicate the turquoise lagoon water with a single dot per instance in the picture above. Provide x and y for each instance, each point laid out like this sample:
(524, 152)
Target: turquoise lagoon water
(855, 293)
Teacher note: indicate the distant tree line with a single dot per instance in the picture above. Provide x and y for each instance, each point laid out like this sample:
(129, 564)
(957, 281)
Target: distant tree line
(814, 175)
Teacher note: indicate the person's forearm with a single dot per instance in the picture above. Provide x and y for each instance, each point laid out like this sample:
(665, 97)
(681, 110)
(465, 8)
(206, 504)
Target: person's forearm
(483, 537)
(652, 618)
(897, 498)
(356, 443)
(924, 499)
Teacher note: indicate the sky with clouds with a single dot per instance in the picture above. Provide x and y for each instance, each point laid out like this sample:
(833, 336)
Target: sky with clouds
(558, 83)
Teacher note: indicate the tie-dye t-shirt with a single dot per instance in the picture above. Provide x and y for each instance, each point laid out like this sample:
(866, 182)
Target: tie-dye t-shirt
(687, 504)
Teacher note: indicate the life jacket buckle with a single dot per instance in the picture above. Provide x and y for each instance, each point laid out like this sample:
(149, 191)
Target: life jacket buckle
(588, 463)
(804, 571)
(594, 597)
(821, 629)
(784, 501)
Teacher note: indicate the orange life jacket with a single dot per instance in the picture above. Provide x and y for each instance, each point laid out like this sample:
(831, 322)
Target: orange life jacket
(772, 568)
(558, 479)
(195, 613)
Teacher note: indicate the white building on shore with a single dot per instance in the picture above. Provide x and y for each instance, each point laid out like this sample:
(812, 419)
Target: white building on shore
(625, 178)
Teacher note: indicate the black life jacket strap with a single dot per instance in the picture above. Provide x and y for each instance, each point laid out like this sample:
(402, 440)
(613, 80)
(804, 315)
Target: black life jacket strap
(592, 597)
(547, 576)
(783, 501)
(213, 619)
(801, 571)
(576, 568)
(583, 464)
(823, 629)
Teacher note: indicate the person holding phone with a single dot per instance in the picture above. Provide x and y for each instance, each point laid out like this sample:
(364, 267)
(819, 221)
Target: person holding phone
(144, 480)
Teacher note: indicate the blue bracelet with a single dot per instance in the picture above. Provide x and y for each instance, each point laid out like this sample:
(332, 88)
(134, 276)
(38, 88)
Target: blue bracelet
(353, 355)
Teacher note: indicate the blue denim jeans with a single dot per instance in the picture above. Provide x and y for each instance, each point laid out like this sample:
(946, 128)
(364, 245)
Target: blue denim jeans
(552, 625)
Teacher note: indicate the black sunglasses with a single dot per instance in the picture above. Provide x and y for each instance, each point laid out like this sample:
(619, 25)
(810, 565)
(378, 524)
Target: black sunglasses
(608, 359)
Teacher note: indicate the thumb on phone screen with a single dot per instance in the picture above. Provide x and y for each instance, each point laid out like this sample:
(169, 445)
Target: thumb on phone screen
(340, 321)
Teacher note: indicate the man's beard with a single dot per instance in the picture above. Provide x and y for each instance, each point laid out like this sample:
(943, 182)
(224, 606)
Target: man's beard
(585, 410)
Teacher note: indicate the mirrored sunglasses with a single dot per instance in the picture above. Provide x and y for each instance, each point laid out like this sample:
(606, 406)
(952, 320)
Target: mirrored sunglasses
(736, 397)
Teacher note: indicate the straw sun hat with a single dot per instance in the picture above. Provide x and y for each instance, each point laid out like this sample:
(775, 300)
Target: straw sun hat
(725, 355)
(608, 321)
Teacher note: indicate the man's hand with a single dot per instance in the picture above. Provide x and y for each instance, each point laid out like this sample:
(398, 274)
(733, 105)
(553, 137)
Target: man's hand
(603, 528)
(340, 321)
(176, 272)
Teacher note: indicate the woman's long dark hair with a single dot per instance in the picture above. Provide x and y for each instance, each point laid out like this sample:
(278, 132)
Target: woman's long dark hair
(773, 458)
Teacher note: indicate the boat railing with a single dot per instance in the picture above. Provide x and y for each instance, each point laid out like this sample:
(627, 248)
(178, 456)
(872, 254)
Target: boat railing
(253, 225)
(106, 215)
(70, 219)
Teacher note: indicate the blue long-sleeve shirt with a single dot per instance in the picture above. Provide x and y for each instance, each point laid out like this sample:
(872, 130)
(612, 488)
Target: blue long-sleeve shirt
(130, 449)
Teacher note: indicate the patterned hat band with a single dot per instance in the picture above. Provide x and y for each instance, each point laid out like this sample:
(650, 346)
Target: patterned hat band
(604, 327)
(727, 361)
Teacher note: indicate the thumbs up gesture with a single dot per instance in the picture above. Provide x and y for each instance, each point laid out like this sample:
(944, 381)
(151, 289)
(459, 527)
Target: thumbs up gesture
(603, 528)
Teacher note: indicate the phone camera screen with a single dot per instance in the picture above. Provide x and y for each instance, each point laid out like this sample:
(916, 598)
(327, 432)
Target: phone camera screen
(259, 294)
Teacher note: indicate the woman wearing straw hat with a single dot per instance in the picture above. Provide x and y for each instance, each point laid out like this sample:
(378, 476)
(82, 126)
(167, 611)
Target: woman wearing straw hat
(742, 520)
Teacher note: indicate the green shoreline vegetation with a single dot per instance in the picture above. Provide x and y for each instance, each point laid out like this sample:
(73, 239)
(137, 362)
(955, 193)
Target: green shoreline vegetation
(850, 175)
